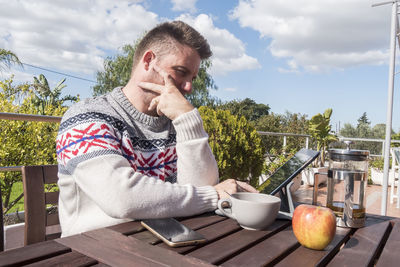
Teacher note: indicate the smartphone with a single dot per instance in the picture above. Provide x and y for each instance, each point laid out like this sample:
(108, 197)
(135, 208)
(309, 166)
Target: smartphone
(172, 232)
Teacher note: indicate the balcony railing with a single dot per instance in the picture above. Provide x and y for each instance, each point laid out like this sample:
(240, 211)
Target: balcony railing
(44, 118)
(28, 117)
(24, 117)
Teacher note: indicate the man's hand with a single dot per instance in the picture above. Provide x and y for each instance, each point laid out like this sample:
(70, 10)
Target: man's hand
(232, 186)
(170, 101)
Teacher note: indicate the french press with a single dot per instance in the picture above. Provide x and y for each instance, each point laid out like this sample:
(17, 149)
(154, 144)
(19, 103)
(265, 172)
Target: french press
(347, 180)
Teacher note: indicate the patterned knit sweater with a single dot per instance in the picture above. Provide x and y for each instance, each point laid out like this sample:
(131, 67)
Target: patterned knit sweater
(116, 163)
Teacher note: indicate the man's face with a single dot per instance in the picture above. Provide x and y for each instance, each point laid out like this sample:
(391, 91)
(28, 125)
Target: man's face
(182, 64)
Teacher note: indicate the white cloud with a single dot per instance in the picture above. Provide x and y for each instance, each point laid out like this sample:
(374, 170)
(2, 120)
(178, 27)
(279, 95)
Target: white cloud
(75, 36)
(230, 89)
(229, 52)
(184, 5)
(18, 77)
(71, 35)
(320, 35)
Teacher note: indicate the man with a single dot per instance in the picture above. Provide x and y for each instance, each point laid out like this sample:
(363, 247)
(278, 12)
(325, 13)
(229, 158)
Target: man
(141, 150)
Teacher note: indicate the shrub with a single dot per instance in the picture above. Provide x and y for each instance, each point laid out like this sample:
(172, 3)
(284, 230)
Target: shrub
(23, 142)
(236, 145)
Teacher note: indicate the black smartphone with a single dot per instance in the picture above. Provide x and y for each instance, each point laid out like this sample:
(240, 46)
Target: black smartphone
(172, 232)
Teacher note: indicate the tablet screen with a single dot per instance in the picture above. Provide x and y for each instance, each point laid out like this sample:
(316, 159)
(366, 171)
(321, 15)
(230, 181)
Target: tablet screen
(288, 171)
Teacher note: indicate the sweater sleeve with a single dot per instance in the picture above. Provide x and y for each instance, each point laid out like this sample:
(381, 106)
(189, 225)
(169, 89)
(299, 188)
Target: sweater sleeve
(196, 163)
(123, 193)
(93, 156)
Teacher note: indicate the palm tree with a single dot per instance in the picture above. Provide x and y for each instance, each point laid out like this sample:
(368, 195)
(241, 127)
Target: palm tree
(46, 96)
(8, 58)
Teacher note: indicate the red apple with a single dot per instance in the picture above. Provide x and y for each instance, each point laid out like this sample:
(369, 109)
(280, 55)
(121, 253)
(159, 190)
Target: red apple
(314, 226)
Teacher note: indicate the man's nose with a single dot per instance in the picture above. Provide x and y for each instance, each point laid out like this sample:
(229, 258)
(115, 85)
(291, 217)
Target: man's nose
(187, 87)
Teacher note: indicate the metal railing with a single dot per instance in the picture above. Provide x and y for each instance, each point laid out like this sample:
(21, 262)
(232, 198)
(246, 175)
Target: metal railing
(28, 117)
(43, 118)
(342, 138)
(54, 119)
(285, 135)
(10, 169)
(24, 117)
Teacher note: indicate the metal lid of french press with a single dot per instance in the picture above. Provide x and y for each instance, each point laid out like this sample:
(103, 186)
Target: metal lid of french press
(348, 154)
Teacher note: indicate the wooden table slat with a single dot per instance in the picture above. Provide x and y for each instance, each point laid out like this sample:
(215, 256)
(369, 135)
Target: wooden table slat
(229, 246)
(136, 247)
(147, 237)
(363, 246)
(72, 258)
(127, 228)
(103, 252)
(202, 221)
(308, 257)
(266, 252)
(390, 253)
(32, 253)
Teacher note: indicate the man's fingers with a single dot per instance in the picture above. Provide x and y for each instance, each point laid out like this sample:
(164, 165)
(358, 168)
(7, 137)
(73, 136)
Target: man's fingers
(154, 103)
(247, 187)
(168, 80)
(156, 88)
(160, 70)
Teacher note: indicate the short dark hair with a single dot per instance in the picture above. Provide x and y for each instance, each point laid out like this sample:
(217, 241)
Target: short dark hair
(163, 36)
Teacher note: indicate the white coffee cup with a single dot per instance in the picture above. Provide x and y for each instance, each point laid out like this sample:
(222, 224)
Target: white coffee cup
(253, 211)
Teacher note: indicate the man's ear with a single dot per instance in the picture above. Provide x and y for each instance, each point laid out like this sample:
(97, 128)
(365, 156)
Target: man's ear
(147, 58)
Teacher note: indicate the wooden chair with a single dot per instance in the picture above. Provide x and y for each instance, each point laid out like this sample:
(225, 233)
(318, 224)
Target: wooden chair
(395, 151)
(40, 223)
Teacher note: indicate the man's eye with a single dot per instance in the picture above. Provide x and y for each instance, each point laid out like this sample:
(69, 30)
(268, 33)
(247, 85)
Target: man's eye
(181, 72)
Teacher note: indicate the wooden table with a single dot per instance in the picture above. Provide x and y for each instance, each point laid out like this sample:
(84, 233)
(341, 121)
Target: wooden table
(129, 244)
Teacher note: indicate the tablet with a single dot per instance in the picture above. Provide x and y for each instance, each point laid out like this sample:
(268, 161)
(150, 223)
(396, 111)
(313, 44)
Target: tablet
(284, 174)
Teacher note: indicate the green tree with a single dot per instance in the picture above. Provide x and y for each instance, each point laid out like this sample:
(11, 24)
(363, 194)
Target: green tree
(23, 142)
(271, 123)
(320, 130)
(363, 119)
(348, 131)
(379, 131)
(117, 71)
(247, 107)
(396, 137)
(235, 143)
(295, 123)
(364, 130)
(202, 85)
(363, 126)
(288, 123)
(45, 96)
(7, 58)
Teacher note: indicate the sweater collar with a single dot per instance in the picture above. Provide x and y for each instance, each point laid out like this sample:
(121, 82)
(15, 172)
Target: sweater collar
(121, 98)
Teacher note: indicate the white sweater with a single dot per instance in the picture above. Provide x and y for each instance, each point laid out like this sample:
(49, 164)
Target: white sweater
(117, 164)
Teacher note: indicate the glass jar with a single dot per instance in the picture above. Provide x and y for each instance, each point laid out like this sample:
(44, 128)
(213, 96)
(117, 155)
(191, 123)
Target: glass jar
(347, 181)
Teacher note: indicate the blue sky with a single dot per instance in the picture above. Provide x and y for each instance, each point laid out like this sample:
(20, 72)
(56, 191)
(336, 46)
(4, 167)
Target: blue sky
(299, 56)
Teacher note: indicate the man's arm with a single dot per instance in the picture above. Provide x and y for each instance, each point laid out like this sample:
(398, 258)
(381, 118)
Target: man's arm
(196, 162)
(123, 193)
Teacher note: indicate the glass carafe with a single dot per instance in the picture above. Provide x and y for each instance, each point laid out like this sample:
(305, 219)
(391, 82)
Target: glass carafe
(347, 180)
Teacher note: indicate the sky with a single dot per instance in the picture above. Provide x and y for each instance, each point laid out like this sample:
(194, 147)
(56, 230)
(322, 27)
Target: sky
(298, 56)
